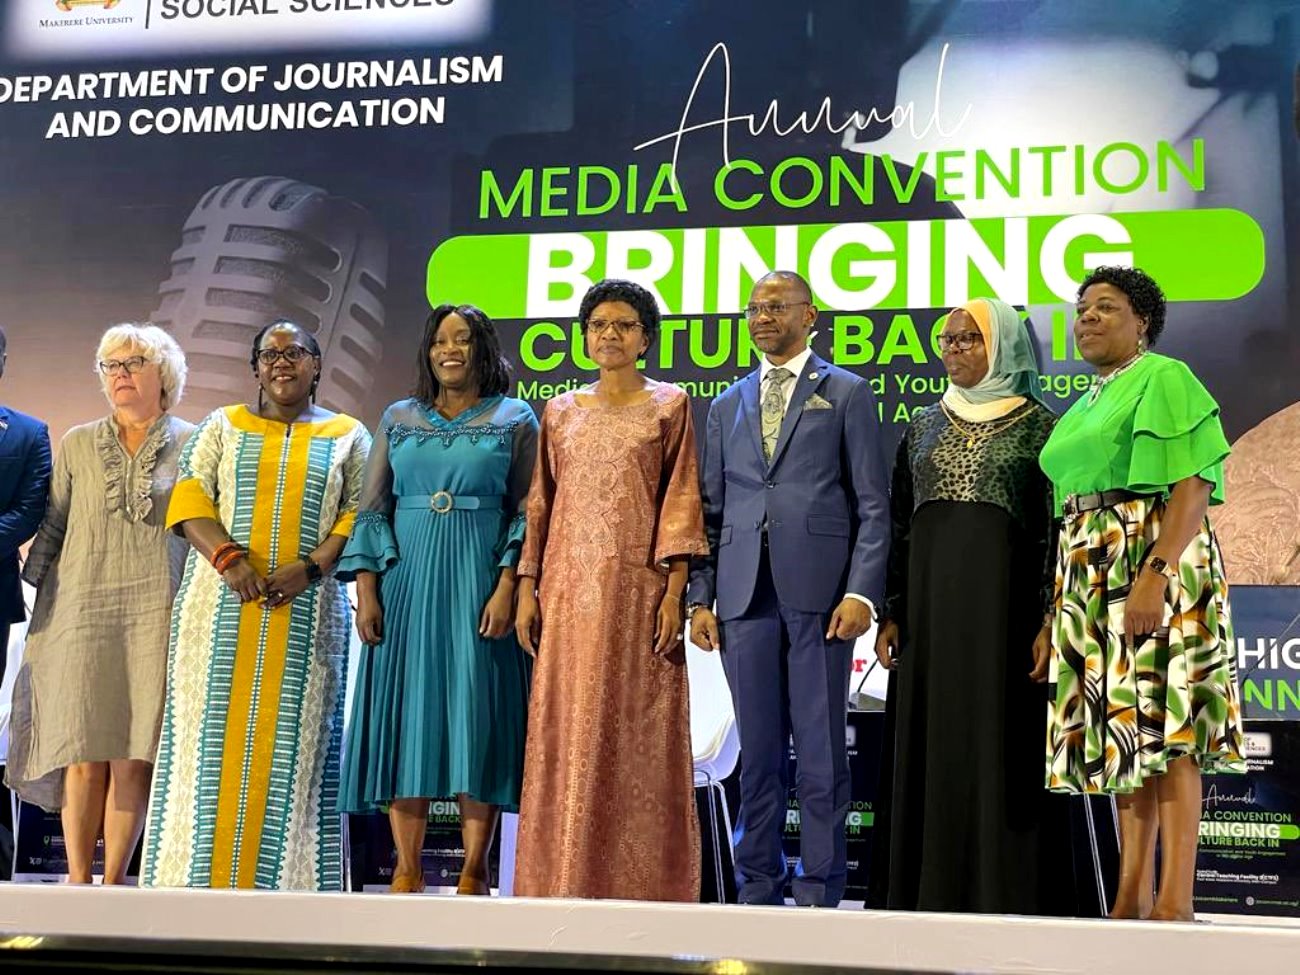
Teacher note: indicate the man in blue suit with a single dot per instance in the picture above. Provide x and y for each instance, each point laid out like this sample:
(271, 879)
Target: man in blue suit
(796, 507)
(24, 485)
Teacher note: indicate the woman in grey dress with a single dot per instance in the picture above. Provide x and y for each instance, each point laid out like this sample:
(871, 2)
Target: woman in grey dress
(88, 699)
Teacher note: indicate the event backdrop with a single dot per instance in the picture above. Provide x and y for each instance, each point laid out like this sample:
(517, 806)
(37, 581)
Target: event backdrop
(211, 164)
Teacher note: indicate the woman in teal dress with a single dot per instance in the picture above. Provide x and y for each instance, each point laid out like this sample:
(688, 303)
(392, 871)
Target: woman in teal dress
(442, 687)
(1142, 684)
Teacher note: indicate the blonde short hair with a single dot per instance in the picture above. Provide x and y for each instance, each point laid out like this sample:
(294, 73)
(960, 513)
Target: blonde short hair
(156, 346)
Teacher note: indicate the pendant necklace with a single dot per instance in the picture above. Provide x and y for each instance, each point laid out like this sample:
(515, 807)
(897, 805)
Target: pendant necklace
(976, 433)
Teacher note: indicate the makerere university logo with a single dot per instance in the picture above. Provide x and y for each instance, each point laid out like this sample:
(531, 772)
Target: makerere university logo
(74, 15)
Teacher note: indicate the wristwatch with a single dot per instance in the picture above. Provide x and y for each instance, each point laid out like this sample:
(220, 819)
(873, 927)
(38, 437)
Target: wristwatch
(1160, 565)
(313, 570)
(692, 607)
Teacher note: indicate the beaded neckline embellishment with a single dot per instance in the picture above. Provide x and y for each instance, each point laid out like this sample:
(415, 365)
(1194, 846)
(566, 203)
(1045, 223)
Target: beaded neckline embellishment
(1099, 382)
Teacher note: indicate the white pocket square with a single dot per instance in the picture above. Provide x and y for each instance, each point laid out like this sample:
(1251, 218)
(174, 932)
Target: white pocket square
(815, 402)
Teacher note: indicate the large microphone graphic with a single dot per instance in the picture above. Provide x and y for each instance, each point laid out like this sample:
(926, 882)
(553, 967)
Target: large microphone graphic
(261, 248)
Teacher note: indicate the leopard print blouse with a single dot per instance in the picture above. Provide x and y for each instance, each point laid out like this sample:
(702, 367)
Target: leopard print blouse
(954, 460)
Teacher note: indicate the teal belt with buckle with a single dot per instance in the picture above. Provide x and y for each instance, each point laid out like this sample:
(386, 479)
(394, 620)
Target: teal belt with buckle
(442, 502)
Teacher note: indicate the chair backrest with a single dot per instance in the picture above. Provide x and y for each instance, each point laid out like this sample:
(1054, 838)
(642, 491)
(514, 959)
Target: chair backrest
(715, 743)
(14, 660)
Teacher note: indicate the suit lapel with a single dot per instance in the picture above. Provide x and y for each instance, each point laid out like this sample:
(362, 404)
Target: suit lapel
(753, 412)
(814, 372)
(5, 421)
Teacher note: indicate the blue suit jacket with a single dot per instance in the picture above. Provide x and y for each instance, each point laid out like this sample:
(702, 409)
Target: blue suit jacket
(824, 496)
(24, 487)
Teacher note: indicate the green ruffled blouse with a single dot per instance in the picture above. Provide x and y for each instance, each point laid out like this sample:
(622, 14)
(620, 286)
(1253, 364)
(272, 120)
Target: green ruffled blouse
(1149, 428)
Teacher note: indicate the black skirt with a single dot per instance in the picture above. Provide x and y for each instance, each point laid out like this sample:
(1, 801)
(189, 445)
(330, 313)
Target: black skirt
(970, 825)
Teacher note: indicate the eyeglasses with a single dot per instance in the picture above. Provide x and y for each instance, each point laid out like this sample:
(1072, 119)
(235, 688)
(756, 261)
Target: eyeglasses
(598, 326)
(130, 366)
(772, 309)
(292, 354)
(960, 342)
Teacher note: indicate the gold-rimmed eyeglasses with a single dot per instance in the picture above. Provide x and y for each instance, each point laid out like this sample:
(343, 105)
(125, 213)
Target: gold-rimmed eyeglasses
(598, 326)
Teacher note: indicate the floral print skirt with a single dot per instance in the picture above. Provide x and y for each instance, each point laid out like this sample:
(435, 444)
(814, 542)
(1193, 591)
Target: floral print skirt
(1116, 713)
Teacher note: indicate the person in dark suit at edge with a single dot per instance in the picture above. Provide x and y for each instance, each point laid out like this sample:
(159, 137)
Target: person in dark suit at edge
(24, 487)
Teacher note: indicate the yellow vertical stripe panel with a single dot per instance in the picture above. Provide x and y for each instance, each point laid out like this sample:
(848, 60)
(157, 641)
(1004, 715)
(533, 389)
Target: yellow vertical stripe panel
(229, 804)
(274, 652)
(231, 799)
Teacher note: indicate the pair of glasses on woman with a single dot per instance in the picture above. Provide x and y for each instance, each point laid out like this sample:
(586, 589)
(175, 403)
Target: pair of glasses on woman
(129, 366)
(961, 342)
(598, 326)
(292, 354)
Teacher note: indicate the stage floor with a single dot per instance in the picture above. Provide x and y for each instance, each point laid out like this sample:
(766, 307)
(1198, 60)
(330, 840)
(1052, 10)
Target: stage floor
(843, 938)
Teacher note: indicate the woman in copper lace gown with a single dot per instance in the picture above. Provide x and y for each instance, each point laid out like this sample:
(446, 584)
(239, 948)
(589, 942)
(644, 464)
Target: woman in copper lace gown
(614, 514)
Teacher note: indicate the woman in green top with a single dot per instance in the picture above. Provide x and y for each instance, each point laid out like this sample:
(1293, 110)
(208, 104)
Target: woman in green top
(1143, 694)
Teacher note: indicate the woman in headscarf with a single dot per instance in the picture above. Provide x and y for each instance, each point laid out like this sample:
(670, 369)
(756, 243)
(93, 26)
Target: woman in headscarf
(963, 618)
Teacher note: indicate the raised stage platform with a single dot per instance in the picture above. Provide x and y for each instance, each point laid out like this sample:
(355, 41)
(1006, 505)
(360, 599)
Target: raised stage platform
(498, 932)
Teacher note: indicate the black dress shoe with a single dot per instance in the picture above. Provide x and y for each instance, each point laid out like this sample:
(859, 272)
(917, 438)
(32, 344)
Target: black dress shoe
(774, 898)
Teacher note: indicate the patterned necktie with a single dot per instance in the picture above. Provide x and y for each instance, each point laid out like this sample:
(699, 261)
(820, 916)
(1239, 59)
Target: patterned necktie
(774, 408)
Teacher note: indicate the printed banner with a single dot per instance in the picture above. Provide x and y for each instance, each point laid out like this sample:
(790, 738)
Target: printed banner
(1249, 860)
(373, 855)
(1266, 620)
(210, 164)
(39, 852)
(865, 732)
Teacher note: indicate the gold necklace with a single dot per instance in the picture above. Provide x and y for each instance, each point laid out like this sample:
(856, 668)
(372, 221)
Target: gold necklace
(976, 433)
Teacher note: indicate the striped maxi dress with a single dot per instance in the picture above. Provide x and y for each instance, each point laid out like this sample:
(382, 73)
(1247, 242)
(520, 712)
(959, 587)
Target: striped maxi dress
(245, 786)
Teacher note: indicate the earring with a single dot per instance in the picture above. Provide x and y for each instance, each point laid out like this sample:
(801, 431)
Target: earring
(260, 402)
(314, 383)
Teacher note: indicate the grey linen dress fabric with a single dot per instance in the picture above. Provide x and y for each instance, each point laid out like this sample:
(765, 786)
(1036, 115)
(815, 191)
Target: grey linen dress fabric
(93, 674)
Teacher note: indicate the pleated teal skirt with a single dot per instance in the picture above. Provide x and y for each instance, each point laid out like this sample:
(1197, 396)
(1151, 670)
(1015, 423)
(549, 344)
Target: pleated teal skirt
(437, 709)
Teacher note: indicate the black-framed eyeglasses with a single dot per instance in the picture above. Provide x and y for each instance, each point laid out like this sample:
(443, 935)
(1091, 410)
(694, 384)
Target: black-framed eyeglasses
(292, 354)
(960, 342)
(130, 366)
(773, 309)
(598, 326)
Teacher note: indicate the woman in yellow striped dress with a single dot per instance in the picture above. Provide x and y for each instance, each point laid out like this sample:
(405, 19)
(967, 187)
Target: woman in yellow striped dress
(245, 786)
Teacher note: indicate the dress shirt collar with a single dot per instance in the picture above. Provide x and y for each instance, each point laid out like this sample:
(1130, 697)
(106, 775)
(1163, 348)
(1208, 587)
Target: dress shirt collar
(795, 365)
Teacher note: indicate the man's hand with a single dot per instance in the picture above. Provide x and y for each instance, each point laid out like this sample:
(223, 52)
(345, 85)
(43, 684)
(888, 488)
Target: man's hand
(704, 629)
(851, 619)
